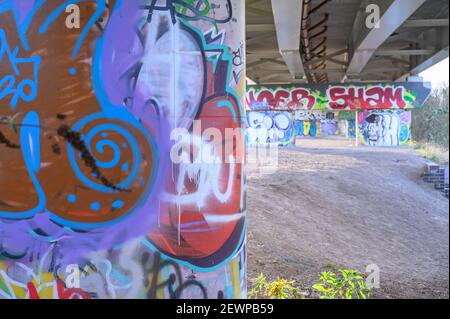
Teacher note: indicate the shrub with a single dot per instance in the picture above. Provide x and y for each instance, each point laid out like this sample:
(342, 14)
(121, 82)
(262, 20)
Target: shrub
(348, 284)
(278, 289)
(431, 124)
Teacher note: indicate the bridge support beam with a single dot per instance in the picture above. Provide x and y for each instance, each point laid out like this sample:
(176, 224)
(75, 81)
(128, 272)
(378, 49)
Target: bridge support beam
(365, 42)
(288, 17)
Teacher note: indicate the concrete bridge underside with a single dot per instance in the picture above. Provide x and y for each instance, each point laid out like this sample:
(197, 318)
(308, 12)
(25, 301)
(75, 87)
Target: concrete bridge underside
(322, 41)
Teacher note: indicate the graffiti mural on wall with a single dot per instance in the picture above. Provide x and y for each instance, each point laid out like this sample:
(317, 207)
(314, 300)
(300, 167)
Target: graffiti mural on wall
(329, 127)
(315, 123)
(337, 97)
(329, 109)
(86, 116)
(348, 119)
(385, 128)
(270, 128)
(351, 128)
(305, 123)
(132, 272)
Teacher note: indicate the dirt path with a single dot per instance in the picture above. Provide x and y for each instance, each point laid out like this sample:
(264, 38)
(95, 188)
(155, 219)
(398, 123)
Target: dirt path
(349, 207)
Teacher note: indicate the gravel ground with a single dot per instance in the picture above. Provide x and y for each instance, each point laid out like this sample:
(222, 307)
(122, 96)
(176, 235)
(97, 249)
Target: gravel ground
(330, 205)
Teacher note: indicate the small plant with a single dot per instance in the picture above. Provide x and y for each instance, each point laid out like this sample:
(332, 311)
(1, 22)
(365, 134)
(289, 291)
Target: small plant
(278, 289)
(259, 287)
(348, 284)
(283, 289)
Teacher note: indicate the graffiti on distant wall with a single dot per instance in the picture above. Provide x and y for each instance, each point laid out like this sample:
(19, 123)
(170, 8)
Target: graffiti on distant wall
(270, 128)
(351, 128)
(305, 123)
(337, 97)
(315, 123)
(306, 128)
(329, 128)
(86, 178)
(385, 128)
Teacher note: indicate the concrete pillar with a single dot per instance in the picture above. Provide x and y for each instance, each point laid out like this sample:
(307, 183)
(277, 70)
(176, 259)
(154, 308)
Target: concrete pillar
(357, 129)
(129, 181)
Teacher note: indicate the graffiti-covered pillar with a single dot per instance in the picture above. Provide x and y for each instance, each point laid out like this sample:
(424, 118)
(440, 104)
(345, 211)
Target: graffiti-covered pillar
(121, 151)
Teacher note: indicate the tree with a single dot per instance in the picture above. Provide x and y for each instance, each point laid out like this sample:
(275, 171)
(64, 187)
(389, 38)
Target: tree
(431, 124)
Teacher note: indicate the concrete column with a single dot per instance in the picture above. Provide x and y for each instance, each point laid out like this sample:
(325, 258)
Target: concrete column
(130, 169)
(357, 129)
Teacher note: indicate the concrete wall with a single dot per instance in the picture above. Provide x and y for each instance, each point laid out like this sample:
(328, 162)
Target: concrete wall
(384, 111)
(283, 128)
(92, 203)
(385, 128)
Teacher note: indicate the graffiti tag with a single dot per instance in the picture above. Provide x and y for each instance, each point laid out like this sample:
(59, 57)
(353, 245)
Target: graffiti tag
(25, 89)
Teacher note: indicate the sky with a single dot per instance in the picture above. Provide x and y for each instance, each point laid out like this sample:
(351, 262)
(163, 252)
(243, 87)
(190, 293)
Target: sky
(438, 74)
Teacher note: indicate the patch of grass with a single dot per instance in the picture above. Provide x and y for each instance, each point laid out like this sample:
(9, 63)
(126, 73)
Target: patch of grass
(433, 152)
